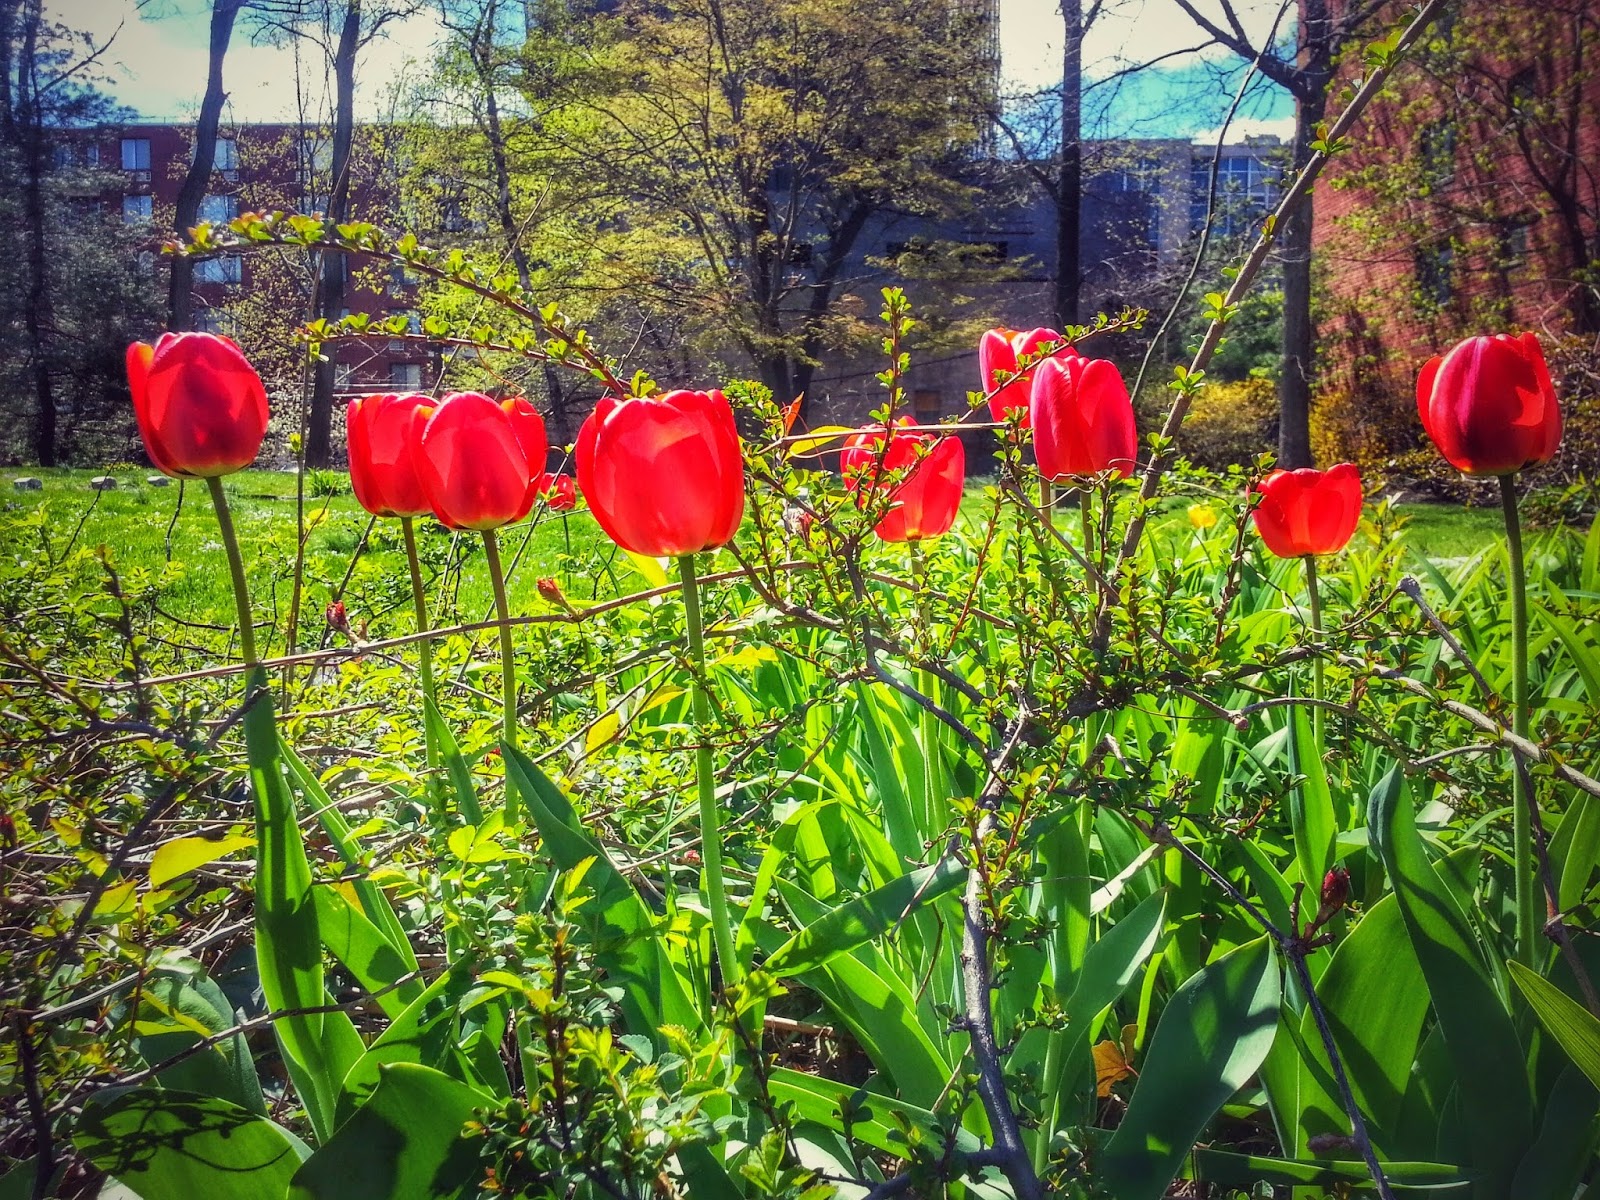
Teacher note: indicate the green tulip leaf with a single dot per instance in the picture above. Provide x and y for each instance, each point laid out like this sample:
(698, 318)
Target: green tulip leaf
(1489, 1059)
(404, 1143)
(194, 1007)
(1311, 815)
(842, 929)
(171, 1145)
(316, 1045)
(1216, 1030)
(1243, 1171)
(1572, 1025)
(631, 951)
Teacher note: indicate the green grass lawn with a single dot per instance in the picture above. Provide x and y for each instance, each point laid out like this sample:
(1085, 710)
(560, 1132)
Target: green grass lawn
(147, 532)
(1450, 531)
(136, 520)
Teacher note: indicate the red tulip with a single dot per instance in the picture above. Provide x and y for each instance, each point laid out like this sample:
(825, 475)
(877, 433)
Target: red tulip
(1082, 419)
(1309, 512)
(999, 352)
(381, 433)
(560, 492)
(664, 476)
(479, 462)
(200, 405)
(1489, 405)
(927, 499)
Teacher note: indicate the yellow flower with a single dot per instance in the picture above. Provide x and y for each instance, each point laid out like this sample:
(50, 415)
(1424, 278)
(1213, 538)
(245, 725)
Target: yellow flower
(1202, 516)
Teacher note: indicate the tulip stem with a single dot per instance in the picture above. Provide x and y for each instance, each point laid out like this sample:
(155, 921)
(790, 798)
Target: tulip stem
(419, 605)
(1086, 511)
(933, 789)
(1521, 805)
(1317, 684)
(241, 589)
(508, 664)
(705, 779)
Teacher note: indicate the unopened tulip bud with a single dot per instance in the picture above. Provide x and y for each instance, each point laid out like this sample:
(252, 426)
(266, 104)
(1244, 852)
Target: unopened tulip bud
(200, 406)
(1002, 355)
(551, 591)
(1309, 512)
(1490, 406)
(1335, 894)
(338, 620)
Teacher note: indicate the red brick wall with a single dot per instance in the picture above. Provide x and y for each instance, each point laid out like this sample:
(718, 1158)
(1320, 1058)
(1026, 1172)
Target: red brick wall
(1422, 240)
(277, 166)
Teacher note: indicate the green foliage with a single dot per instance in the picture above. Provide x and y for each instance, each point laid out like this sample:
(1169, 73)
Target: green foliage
(1022, 850)
(1231, 424)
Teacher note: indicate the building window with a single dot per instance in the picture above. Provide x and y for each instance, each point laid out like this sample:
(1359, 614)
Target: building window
(91, 154)
(211, 320)
(402, 280)
(136, 209)
(1434, 265)
(344, 375)
(406, 376)
(135, 154)
(66, 155)
(316, 155)
(413, 326)
(1514, 239)
(227, 269)
(226, 156)
(219, 210)
(1247, 189)
(1143, 174)
(925, 406)
(1437, 146)
(1523, 88)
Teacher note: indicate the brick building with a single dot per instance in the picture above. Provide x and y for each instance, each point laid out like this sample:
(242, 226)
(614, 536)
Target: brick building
(137, 170)
(1143, 203)
(1469, 204)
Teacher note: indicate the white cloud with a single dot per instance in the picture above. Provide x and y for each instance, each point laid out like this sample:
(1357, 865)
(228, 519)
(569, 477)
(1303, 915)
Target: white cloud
(1126, 32)
(1240, 128)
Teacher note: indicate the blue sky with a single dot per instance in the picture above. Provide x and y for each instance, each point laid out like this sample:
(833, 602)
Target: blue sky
(156, 63)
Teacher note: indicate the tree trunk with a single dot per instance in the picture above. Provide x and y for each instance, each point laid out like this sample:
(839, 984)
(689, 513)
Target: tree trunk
(1299, 334)
(1069, 188)
(330, 303)
(8, 105)
(1585, 306)
(180, 294)
(483, 62)
(29, 119)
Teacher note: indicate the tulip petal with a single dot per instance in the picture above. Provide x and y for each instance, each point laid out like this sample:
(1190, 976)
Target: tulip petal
(201, 406)
(383, 470)
(471, 465)
(664, 477)
(139, 357)
(1489, 405)
(926, 501)
(1309, 512)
